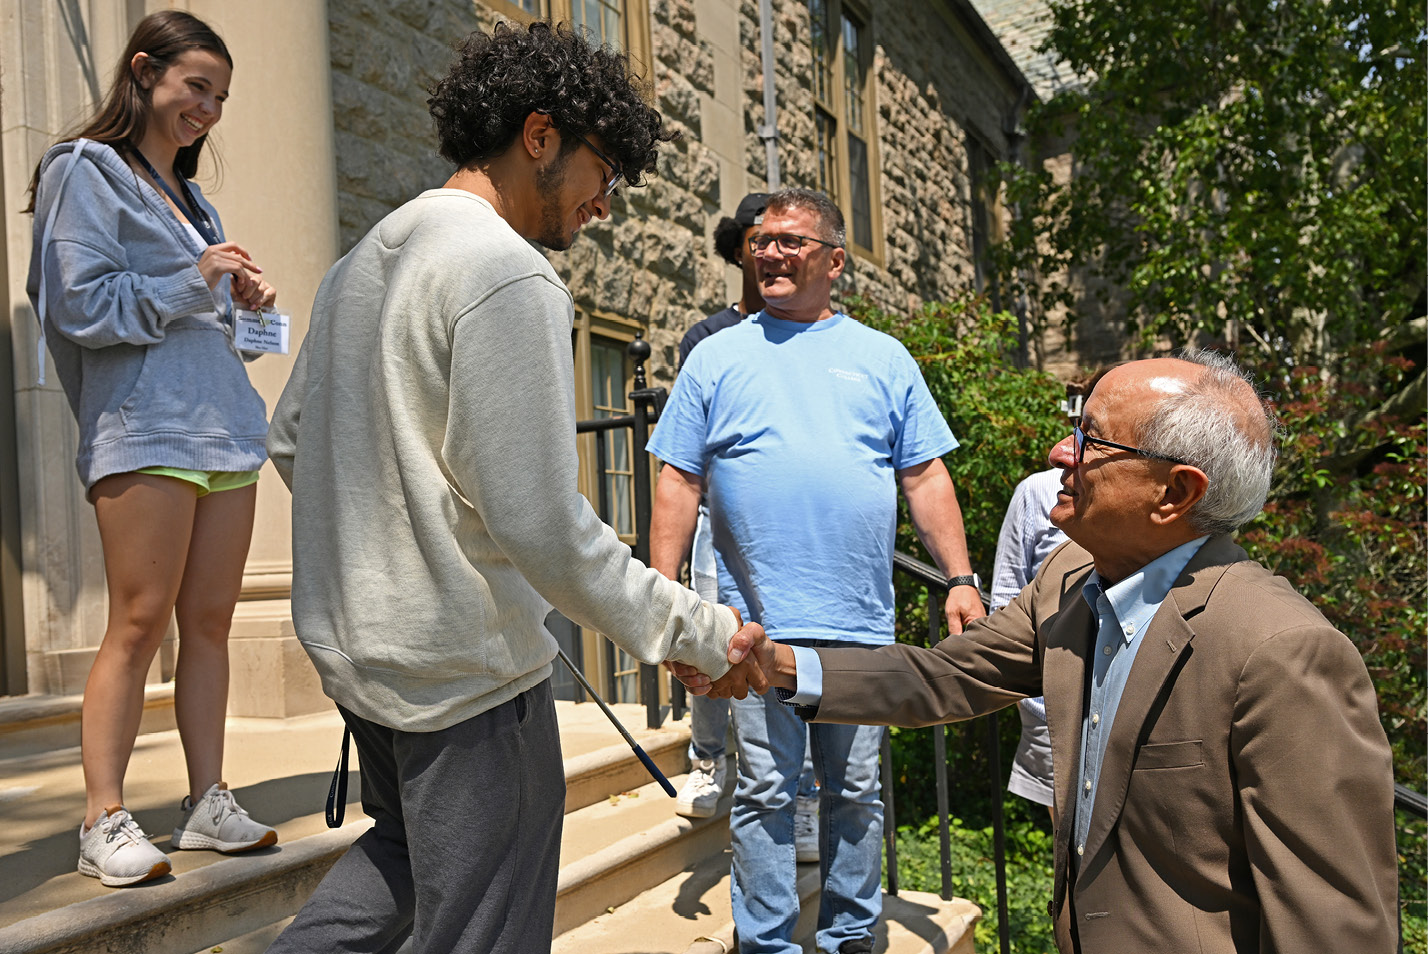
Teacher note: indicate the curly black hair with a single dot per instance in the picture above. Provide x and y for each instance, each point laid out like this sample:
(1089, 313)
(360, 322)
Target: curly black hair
(729, 240)
(500, 78)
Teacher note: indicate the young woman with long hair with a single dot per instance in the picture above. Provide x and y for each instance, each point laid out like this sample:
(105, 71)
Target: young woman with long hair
(135, 286)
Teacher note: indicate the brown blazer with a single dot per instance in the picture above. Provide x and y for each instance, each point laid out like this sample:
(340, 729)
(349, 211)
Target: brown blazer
(1246, 799)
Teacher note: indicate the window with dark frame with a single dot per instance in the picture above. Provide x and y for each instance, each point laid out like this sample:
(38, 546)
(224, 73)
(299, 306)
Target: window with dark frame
(616, 474)
(621, 24)
(615, 479)
(843, 119)
(984, 211)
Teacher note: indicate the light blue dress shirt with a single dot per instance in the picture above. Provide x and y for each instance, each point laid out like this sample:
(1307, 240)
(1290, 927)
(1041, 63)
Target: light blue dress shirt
(1123, 611)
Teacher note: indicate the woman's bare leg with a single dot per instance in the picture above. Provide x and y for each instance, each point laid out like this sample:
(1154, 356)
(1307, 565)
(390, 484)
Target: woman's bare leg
(145, 522)
(218, 548)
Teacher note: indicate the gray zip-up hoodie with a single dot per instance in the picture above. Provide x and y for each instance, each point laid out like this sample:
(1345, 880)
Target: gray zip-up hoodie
(141, 345)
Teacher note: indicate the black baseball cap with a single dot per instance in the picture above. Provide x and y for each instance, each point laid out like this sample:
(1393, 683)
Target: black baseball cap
(751, 210)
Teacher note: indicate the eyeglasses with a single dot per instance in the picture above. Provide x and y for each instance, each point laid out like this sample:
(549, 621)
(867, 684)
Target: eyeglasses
(788, 243)
(617, 173)
(1082, 439)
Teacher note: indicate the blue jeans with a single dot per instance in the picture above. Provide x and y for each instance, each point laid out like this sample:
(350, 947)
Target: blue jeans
(771, 740)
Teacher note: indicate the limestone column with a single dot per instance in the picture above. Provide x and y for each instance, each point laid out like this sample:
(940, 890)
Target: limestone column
(722, 120)
(56, 60)
(276, 189)
(278, 197)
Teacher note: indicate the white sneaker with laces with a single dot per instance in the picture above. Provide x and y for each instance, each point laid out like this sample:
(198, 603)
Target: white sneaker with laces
(218, 822)
(700, 794)
(805, 830)
(117, 852)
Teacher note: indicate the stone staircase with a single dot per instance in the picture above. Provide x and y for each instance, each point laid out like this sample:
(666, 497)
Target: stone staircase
(634, 879)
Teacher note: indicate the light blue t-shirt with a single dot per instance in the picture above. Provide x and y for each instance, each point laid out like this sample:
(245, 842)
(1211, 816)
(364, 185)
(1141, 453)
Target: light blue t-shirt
(799, 430)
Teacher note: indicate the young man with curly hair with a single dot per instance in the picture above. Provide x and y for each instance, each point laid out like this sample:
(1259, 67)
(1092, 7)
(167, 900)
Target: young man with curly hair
(427, 434)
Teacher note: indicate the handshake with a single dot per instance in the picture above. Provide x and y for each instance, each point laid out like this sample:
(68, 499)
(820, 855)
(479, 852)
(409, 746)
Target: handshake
(756, 663)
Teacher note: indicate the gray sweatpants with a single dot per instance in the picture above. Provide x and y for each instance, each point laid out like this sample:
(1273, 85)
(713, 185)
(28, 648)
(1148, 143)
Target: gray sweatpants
(464, 851)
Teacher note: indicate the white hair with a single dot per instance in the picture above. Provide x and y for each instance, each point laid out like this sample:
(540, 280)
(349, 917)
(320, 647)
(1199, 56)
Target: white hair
(1218, 423)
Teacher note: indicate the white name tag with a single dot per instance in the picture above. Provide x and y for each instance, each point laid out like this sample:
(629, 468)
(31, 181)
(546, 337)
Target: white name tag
(261, 332)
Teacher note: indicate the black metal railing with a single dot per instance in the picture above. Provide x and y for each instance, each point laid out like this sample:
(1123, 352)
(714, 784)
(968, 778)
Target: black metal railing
(647, 403)
(937, 588)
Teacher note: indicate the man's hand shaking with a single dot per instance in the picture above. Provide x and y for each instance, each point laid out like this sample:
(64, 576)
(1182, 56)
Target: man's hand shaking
(752, 663)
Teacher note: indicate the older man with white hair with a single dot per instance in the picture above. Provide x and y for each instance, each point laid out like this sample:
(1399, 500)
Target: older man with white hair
(1223, 784)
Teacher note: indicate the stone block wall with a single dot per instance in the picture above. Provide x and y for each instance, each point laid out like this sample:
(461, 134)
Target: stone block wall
(932, 88)
(652, 260)
(384, 56)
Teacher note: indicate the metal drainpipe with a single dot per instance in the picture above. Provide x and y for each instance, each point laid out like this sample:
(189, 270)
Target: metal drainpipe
(768, 132)
(1013, 129)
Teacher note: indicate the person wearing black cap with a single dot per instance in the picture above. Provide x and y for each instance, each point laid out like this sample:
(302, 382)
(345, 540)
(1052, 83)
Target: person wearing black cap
(731, 242)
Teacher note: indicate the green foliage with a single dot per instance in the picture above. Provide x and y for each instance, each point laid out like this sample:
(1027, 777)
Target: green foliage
(974, 876)
(1256, 162)
(1345, 524)
(1413, 883)
(1005, 418)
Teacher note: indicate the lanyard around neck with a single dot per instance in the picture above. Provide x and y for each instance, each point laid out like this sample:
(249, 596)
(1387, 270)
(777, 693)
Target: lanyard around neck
(191, 209)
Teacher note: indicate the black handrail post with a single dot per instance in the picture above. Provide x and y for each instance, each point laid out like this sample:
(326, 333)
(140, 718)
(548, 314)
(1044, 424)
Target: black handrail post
(939, 755)
(999, 837)
(643, 400)
(889, 810)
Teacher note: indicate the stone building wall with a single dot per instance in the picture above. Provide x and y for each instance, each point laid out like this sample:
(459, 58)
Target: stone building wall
(652, 260)
(932, 88)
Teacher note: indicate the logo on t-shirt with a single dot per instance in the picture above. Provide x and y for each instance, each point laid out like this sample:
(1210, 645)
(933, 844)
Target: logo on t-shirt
(848, 375)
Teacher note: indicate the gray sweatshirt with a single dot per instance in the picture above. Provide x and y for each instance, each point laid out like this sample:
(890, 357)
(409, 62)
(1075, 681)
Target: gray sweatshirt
(142, 347)
(428, 436)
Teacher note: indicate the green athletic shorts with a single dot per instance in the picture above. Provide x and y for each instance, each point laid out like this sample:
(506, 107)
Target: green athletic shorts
(207, 481)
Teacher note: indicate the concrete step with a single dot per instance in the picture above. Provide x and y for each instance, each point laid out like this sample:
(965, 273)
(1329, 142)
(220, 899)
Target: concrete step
(611, 852)
(35, 725)
(690, 914)
(280, 771)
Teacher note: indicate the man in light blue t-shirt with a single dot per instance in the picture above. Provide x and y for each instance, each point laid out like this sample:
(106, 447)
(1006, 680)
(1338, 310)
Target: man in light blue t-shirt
(800, 423)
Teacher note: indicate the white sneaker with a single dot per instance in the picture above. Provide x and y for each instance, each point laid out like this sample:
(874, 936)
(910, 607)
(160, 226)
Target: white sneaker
(219, 823)
(805, 830)
(700, 794)
(117, 852)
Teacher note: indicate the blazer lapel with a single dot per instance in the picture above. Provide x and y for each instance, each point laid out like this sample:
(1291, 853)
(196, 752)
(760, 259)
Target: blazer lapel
(1163, 646)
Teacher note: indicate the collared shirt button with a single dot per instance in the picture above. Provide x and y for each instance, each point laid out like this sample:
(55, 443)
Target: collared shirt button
(1088, 784)
(1129, 629)
(1080, 849)
(1095, 718)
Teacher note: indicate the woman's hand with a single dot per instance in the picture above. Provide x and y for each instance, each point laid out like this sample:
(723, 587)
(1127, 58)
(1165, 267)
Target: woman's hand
(230, 258)
(257, 295)
(226, 258)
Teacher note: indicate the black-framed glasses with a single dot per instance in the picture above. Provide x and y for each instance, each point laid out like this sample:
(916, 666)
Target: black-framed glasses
(788, 243)
(617, 172)
(1082, 439)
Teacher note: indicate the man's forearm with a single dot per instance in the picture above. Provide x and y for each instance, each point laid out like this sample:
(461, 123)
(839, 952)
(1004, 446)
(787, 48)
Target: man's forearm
(673, 518)
(936, 515)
